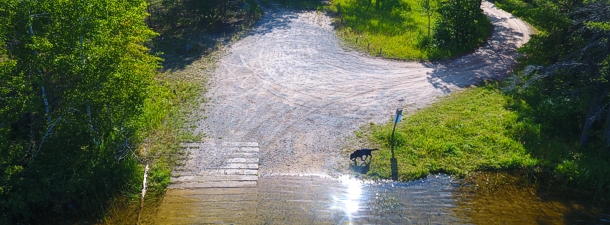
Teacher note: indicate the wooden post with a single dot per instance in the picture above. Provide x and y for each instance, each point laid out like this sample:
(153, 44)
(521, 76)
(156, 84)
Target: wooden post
(143, 194)
(396, 120)
(393, 161)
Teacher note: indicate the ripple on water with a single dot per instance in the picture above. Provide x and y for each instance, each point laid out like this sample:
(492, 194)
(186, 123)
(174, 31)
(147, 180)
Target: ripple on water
(436, 199)
(313, 200)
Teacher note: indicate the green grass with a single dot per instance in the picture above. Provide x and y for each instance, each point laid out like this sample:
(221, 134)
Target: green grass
(399, 29)
(466, 131)
(482, 129)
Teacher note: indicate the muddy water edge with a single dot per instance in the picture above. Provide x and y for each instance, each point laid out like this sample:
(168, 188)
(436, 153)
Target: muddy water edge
(517, 198)
(481, 198)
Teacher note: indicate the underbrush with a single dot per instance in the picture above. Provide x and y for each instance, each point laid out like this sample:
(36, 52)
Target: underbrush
(559, 110)
(190, 47)
(482, 129)
(397, 29)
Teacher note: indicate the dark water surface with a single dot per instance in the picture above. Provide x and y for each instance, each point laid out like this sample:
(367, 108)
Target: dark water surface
(437, 199)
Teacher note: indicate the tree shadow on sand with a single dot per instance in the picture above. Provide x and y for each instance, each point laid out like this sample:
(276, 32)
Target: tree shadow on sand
(186, 35)
(493, 61)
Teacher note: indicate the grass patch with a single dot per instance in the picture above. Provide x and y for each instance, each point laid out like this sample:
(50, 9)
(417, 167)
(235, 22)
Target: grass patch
(466, 131)
(481, 129)
(396, 29)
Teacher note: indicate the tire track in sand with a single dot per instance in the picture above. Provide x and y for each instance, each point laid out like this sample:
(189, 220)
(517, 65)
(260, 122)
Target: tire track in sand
(292, 87)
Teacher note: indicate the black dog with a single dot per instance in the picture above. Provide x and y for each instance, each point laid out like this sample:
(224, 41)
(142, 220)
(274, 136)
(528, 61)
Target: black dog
(362, 152)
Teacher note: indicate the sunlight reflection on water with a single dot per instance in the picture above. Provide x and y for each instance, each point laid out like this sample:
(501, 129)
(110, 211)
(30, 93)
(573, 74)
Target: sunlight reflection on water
(436, 199)
(350, 200)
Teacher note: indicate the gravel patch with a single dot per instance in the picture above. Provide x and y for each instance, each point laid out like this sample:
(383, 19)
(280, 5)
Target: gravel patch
(292, 87)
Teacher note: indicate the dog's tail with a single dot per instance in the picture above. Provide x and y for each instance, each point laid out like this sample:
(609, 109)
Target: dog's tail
(374, 149)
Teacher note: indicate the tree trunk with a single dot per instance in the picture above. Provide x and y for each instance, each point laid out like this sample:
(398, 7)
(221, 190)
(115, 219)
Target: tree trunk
(607, 128)
(590, 118)
(429, 27)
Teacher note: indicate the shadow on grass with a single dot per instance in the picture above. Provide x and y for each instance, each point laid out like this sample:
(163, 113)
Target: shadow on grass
(552, 138)
(186, 35)
(391, 18)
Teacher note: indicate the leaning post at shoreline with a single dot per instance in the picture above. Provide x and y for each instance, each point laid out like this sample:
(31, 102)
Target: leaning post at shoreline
(397, 119)
(393, 161)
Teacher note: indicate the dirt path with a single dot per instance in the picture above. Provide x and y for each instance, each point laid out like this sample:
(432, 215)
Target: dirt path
(292, 87)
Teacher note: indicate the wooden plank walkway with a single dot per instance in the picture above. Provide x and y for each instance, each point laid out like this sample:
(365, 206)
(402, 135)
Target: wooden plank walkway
(225, 165)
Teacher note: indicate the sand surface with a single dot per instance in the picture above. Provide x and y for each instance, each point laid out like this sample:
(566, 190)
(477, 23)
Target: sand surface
(292, 87)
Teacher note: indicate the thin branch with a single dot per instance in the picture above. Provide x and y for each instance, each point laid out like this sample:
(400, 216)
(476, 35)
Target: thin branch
(44, 138)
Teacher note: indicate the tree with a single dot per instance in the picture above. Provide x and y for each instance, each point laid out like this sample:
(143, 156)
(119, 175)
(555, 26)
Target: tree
(74, 76)
(571, 76)
(428, 9)
(456, 27)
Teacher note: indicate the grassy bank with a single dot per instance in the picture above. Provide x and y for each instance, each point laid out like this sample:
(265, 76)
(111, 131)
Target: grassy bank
(467, 131)
(396, 29)
(190, 46)
(482, 129)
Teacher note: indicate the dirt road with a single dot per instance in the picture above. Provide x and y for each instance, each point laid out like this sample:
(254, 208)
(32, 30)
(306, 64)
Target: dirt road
(292, 87)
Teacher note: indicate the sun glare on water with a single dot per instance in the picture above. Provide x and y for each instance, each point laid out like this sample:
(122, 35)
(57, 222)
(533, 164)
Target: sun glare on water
(348, 201)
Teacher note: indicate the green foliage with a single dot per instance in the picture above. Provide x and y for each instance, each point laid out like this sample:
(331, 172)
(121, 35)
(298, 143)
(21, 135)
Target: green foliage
(213, 15)
(564, 79)
(566, 67)
(403, 28)
(77, 93)
(457, 26)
